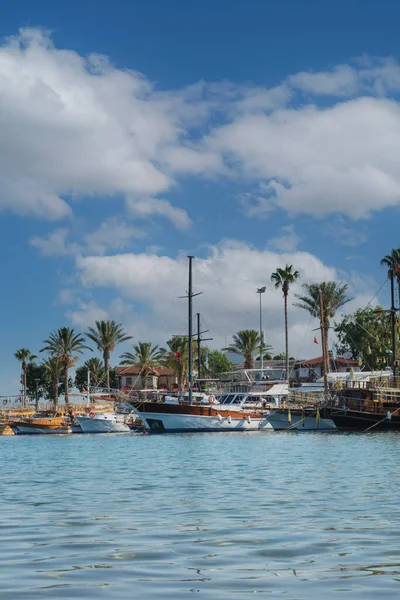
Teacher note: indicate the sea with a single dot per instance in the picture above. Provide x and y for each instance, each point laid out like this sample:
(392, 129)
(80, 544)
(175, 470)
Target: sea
(218, 515)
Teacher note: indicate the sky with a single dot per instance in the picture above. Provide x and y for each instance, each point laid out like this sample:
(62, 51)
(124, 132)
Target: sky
(249, 133)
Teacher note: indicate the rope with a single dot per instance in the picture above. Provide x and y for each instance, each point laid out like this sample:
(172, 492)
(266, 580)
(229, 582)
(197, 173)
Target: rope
(381, 421)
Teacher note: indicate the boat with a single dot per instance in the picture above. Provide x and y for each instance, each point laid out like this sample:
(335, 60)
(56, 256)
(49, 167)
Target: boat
(227, 412)
(104, 422)
(366, 401)
(40, 424)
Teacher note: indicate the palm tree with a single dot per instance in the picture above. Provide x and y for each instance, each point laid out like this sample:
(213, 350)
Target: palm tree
(146, 357)
(392, 261)
(65, 345)
(176, 357)
(53, 366)
(246, 342)
(333, 297)
(282, 278)
(96, 370)
(24, 356)
(106, 335)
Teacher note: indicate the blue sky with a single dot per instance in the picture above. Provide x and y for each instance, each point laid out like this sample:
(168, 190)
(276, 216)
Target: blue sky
(251, 134)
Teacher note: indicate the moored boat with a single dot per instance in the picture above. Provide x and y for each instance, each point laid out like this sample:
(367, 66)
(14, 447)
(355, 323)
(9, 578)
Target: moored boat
(39, 425)
(104, 422)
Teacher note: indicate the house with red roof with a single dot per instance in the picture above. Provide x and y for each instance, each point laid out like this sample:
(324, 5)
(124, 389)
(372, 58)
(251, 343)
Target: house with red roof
(159, 378)
(312, 369)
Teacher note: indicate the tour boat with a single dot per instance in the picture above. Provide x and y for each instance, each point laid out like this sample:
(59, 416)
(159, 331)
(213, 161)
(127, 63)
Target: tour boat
(39, 425)
(301, 419)
(104, 422)
(227, 412)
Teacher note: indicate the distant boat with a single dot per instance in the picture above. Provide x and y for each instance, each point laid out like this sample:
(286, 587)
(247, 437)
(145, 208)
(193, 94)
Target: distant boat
(104, 422)
(39, 425)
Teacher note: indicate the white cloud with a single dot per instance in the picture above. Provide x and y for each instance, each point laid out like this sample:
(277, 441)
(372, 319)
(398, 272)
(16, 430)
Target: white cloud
(228, 278)
(74, 126)
(287, 241)
(146, 207)
(112, 234)
(55, 244)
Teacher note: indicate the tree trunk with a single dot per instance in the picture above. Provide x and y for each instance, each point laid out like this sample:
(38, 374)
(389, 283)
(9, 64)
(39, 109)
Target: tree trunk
(55, 399)
(24, 378)
(106, 356)
(285, 297)
(66, 390)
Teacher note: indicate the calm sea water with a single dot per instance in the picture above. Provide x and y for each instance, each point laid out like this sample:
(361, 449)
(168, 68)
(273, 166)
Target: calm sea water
(293, 516)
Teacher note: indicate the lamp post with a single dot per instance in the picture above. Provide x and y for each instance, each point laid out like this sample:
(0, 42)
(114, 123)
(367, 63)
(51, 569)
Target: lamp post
(261, 291)
(37, 395)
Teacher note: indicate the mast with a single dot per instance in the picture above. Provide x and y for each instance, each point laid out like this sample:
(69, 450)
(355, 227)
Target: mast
(323, 342)
(198, 348)
(190, 331)
(393, 319)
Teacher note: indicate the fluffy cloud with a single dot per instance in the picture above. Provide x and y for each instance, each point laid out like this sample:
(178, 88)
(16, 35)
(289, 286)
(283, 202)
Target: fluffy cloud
(55, 244)
(228, 278)
(76, 126)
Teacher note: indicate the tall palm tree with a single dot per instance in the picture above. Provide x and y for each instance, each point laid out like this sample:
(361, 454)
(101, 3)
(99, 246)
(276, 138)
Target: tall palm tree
(247, 343)
(53, 366)
(106, 335)
(24, 356)
(282, 278)
(65, 345)
(392, 261)
(146, 357)
(176, 357)
(334, 296)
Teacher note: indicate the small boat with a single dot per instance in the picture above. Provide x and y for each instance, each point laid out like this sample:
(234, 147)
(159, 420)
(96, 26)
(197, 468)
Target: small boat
(39, 424)
(5, 429)
(104, 422)
(301, 419)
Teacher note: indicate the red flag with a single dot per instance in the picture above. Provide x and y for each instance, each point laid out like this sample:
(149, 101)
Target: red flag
(83, 389)
(397, 270)
(315, 340)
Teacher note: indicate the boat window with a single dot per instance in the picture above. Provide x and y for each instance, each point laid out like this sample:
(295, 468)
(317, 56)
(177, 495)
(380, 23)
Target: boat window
(238, 399)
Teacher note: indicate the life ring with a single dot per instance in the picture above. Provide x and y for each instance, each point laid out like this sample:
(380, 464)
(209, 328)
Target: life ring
(211, 399)
(4, 402)
(92, 415)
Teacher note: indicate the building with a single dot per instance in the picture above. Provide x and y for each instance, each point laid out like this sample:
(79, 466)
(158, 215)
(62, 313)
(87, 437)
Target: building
(159, 378)
(312, 369)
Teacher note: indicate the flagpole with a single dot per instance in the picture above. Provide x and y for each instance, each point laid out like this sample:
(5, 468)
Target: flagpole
(323, 342)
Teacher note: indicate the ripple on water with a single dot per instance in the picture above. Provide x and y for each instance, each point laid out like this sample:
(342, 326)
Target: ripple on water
(224, 516)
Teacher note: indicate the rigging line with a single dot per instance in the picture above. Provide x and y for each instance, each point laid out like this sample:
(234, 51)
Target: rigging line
(383, 284)
(359, 350)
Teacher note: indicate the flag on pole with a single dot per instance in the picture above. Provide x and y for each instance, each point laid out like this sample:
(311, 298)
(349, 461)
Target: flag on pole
(315, 340)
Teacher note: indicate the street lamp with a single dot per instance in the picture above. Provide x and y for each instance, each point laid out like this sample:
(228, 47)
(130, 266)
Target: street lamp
(260, 291)
(37, 395)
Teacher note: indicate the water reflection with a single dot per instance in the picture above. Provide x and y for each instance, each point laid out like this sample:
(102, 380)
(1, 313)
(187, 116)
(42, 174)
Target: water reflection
(224, 515)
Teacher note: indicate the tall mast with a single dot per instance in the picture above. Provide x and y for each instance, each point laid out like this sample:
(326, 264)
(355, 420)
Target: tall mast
(190, 331)
(198, 348)
(393, 318)
(323, 342)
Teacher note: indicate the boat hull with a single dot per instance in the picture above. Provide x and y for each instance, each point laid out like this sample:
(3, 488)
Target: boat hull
(180, 419)
(32, 429)
(108, 424)
(296, 421)
(361, 420)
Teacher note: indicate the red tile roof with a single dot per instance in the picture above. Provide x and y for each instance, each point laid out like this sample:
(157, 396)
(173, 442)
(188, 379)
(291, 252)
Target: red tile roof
(135, 370)
(339, 361)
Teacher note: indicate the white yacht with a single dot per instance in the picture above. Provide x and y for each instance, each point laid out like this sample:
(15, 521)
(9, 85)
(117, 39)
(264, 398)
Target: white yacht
(104, 422)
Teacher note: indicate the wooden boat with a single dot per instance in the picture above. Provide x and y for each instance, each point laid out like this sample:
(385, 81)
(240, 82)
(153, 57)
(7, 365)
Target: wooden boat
(42, 424)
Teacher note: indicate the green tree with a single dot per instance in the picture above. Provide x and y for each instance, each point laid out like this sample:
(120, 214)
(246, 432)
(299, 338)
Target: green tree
(47, 379)
(106, 335)
(367, 335)
(95, 367)
(246, 342)
(24, 356)
(282, 279)
(334, 296)
(176, 357)
(65, 345)
(214, 363)
(145, 356)
(392, 262)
